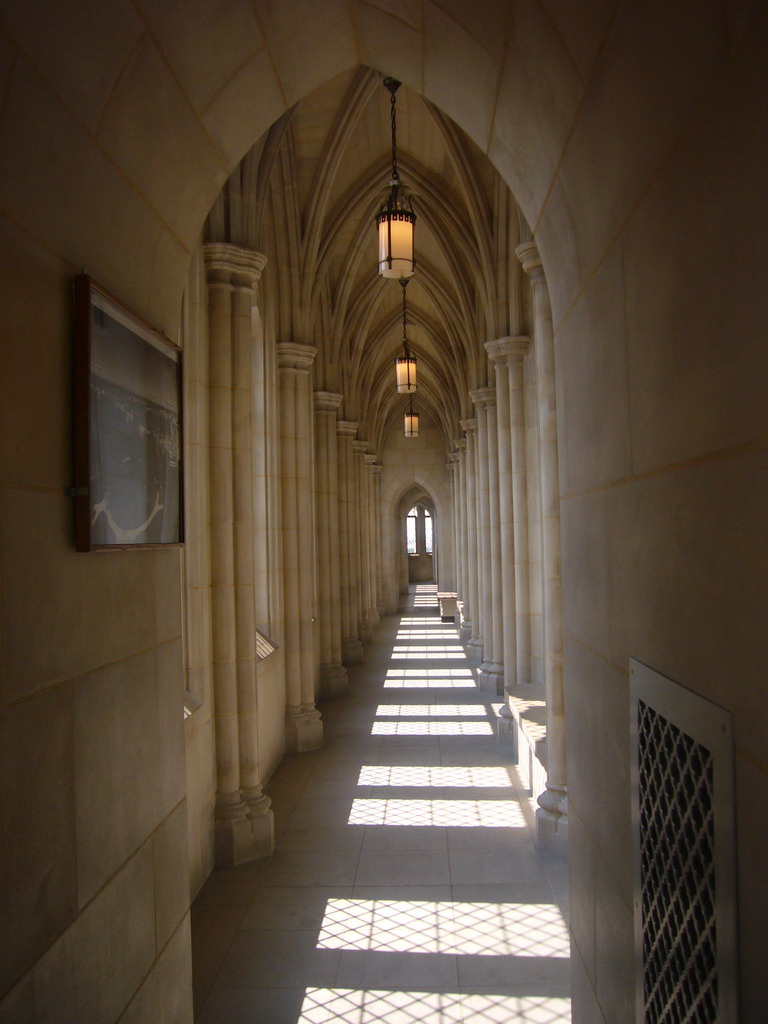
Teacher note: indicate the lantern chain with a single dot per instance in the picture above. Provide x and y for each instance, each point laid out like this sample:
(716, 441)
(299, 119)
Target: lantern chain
(403, 285)
(393, 102)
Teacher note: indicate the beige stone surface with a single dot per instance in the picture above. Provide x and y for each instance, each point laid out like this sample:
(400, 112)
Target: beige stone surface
(131, 709)
(204, 43)
(37, 855)
(448, 47)
(592, 379)
(115, 938)
(171, 874)
(47, 992)
(147, 96)
(40, 143)
(166, 995)
(62, 38)
(309, 42)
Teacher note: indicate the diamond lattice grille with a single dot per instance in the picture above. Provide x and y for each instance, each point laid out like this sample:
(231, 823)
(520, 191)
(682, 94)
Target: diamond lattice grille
(677, 874)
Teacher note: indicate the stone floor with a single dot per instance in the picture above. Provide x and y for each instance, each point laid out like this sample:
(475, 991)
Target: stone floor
(404, 885)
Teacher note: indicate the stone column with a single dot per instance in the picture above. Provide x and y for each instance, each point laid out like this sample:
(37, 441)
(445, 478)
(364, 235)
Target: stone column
(373, 548)
(520, 508)
(506, 354)
(360, 541)
(304, 729)
(381, 600)
(452, 468)
(492, 669)
(243, 828)
(498, 352)
(475, 641)
(462, 583)
(351, 648)
(553, 803)
(333, 675)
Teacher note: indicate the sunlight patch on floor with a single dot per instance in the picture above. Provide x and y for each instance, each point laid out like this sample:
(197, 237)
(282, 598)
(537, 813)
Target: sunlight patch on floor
(461, 929)
(402, 651)
(420, 775)
(431, 711)
(352, 1006)
(432, 729)
(437, 813)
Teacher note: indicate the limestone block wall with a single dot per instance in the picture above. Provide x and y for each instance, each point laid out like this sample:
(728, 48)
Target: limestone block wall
(93, 861)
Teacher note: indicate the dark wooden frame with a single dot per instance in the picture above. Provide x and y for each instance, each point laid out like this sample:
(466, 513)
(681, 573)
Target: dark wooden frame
(113, 350)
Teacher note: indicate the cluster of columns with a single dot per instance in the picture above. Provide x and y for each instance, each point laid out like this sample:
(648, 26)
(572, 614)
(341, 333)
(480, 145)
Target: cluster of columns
(244, 826)
(507, 511)
(330, 542)
(359, 594)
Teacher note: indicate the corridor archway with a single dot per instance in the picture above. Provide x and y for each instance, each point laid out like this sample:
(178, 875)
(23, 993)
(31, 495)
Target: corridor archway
(615, 131)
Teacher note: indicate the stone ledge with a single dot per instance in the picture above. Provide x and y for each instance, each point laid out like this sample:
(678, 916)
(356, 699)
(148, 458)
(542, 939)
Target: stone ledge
(522, 728)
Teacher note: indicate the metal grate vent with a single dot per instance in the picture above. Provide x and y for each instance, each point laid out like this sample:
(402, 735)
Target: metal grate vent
(677, 849)
(682, 780)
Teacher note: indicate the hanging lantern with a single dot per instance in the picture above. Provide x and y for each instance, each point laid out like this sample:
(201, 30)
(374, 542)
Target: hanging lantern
(395, 219)
(405, 365)
(411, 421)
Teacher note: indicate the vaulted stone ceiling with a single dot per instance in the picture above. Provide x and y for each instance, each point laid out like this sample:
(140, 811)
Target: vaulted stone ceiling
(306, 196)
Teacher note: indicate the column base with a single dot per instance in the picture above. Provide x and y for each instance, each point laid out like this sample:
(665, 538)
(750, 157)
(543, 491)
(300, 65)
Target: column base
(374, 618)
(491, 678)
(303, 732)
(552, 833)
(351, 650)
(506, 731)
(365, 631)
(334, 681)
(465, 631)
(237, 838)
(552, 821)
(475, 649)
(262, 819)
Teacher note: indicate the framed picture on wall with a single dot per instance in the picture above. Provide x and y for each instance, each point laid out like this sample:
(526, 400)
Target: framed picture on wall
(127, 427)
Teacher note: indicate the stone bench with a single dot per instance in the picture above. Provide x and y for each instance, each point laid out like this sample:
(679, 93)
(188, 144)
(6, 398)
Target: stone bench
(448, 606)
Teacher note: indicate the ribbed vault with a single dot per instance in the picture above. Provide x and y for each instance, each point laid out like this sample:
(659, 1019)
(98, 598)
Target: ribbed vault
(306, 196)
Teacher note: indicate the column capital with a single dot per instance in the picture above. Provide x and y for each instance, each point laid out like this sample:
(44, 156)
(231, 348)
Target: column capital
(359, 447)
(461, 445)
(292, 355)
(503, 351)
(529, 256)
(483, 397)
(376, 468)
(346, 428)
(468, 425)
(327, 401)
(370, 459)
(231, 264)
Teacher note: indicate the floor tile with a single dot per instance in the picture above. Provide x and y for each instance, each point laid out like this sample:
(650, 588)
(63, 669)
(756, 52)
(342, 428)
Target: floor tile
(386, 867)
(430, 972)
(322, 837)
(275, 958)
(214, 927)
(384, 837)
(310, 867)
(477, 867)
(253, 1006)
(301, 907)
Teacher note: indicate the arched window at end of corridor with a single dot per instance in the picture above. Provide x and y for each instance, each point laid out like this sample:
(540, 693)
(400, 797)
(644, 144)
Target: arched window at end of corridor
(419, 544)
